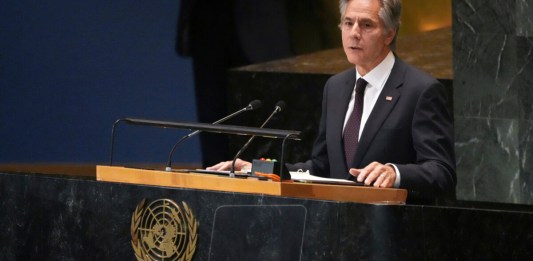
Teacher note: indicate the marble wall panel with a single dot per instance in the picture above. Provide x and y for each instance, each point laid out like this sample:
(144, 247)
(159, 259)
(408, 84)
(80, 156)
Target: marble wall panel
(493, 92)
(485, 68)
(526, 161)
(524, 79)
(487, 159)
(484, 16)
(524, 19)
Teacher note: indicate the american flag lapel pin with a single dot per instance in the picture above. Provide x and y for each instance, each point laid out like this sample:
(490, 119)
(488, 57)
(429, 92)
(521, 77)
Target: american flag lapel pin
(388, 98)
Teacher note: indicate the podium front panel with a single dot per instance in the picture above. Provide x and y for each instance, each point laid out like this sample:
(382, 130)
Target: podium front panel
(71, 218)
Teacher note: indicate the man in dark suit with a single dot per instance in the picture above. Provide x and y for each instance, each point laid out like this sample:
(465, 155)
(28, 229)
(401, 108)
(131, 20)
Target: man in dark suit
(383, 122)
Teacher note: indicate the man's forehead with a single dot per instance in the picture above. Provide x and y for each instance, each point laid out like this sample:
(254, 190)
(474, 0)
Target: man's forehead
(352, 16)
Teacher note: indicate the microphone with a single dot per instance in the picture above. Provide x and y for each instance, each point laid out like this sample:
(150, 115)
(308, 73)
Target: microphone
(251, 106)
(279, 107)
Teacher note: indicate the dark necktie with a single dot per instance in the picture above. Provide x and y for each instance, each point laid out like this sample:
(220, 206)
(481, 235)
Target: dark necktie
(351, 131)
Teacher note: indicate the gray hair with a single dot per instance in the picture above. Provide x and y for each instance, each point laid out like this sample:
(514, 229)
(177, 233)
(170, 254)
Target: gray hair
(389, 13)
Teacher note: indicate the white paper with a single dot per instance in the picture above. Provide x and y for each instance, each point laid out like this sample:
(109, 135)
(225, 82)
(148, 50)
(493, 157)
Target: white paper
(306, 177)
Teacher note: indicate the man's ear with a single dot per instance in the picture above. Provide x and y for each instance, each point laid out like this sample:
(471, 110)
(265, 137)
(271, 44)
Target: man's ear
(390, 36)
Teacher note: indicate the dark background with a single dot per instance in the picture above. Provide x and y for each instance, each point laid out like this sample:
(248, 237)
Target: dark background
(69, 69)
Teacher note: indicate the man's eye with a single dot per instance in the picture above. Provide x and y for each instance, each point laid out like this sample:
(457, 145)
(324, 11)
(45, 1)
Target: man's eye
(347, 25)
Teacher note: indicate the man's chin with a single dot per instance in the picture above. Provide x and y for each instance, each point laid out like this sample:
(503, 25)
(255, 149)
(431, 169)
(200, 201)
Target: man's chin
(353, 60)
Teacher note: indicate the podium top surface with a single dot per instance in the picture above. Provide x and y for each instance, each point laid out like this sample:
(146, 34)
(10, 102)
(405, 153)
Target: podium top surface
(343, 193)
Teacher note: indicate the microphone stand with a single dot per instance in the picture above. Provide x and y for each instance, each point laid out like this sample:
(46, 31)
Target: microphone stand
(252, 106)
(278, 108)
(208, 127)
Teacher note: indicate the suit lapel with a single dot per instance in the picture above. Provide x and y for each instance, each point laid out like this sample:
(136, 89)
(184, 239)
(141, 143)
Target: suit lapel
(386, 101)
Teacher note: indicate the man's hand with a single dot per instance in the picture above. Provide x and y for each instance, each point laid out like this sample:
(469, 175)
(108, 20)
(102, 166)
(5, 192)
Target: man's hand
(377, 174)
(226, 165)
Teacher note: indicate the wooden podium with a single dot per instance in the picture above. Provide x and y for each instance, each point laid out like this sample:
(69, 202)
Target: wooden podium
(203, 181)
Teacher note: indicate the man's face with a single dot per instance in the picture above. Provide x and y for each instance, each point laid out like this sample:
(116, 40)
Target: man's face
(364, 37)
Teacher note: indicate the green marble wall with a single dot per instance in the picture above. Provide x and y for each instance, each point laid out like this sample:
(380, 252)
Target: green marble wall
(493, 91)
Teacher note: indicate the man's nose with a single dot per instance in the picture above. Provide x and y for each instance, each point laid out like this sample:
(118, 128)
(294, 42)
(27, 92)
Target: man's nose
(355, 31)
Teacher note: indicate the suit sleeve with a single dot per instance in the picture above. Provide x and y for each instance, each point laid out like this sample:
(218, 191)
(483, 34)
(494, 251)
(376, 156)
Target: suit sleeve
(433, 174)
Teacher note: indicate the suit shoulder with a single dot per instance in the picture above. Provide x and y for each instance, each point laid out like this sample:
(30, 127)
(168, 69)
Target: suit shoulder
(414, 74)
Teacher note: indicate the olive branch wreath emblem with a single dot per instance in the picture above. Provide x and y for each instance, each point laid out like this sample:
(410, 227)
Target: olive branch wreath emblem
(162, 230)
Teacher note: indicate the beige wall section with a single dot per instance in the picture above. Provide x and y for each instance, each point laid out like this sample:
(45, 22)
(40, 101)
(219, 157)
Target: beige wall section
(425, 15)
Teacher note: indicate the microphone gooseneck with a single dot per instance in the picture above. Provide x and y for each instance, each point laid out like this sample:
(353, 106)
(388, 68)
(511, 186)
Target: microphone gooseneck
(251, 106)
(279, 107)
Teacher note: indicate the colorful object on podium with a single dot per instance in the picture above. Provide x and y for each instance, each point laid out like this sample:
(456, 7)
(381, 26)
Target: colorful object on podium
(273, 177)
(267, 168)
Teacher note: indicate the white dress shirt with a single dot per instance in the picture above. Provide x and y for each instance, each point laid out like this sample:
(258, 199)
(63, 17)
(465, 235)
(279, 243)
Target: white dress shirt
(376, 81)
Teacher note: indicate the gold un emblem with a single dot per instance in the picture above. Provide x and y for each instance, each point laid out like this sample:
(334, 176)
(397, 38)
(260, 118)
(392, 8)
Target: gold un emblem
(163, 231)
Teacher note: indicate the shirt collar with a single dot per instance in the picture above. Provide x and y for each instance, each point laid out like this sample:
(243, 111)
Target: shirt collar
(377, 76)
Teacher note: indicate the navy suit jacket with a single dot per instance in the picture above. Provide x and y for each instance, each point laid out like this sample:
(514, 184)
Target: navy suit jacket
(410, 126)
